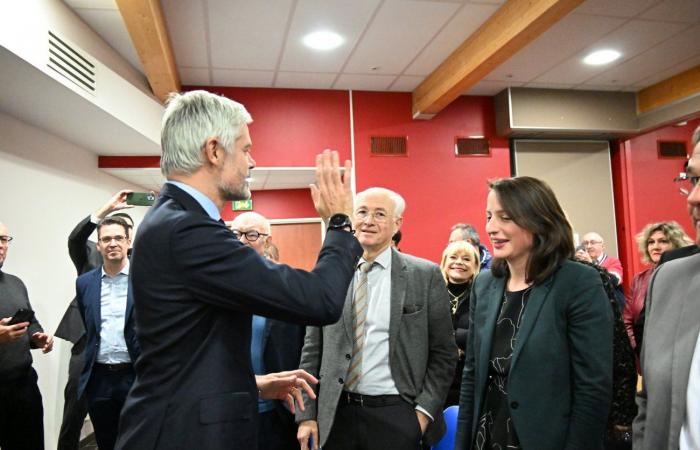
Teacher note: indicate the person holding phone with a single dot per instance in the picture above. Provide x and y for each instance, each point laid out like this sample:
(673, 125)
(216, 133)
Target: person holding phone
(21, 409)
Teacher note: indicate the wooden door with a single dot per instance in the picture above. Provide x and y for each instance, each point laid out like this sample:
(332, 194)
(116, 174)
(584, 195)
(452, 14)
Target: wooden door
(298, 243)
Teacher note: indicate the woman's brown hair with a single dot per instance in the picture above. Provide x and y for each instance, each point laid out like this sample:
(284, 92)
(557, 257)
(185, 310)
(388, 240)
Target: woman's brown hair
(532, 205)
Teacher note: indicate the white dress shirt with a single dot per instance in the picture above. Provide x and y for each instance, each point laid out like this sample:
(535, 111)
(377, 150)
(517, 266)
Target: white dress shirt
(690, 430)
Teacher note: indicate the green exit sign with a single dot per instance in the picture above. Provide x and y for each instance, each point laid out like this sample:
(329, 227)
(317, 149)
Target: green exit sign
(242, 205)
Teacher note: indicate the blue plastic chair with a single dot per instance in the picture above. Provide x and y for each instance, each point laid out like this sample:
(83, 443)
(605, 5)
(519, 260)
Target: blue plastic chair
(448, 440)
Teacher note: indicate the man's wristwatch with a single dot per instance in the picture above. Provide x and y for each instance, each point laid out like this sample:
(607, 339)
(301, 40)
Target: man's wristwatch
(340, 222)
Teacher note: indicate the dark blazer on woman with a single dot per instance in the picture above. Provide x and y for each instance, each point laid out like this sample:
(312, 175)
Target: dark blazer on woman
(560, 380)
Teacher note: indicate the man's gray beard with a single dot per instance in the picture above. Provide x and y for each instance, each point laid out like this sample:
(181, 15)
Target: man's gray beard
(229, 194)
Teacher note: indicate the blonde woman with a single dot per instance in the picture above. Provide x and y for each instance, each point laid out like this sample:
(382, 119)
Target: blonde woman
(653, 241)
(459, 266)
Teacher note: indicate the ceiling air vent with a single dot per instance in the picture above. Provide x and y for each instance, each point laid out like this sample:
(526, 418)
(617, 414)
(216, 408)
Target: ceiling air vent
(72, 63)
(388, 145)
(467, 146)
(672, 149)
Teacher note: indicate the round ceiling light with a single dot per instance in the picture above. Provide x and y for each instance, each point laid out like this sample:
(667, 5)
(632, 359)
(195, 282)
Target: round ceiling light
(323, 40)
(600, 57)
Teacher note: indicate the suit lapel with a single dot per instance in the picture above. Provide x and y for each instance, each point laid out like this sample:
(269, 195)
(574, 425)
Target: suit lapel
(683, 351)
(535, 300)
(399, 272)
(495, 295)
(96, 299)
(347, 310)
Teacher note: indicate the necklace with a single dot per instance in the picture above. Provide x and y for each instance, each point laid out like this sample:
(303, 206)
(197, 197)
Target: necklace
(455, 299)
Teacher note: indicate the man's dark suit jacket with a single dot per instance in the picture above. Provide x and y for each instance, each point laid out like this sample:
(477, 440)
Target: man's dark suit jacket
(88, 288)
(195, 288)
(560, 380)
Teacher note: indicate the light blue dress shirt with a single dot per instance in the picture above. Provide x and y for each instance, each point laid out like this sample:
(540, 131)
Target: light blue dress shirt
(114, 290)
(205, 202)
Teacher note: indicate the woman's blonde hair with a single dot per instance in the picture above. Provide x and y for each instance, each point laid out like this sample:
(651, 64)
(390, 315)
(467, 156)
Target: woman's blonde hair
(673, 232)
(455, 247)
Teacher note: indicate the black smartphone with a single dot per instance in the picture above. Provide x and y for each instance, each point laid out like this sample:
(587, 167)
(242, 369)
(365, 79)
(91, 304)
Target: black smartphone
(140, 198)
(22, 315)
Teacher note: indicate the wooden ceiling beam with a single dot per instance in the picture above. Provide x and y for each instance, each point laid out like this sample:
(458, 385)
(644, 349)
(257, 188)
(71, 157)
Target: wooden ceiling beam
(512, 27)
(145, 22)
(670, 90)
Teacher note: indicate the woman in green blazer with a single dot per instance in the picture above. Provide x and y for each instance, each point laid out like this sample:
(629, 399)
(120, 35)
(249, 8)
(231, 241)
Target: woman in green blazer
(538, 368)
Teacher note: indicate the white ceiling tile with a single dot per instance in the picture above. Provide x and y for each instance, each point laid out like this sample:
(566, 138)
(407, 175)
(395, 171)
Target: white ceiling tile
(348, 19)
(616, 8)
(406, 83)
(247, 34)
(487, 87)
(585, 87)
(548, 86)
(92, 4)
(398, 30)
(668, 73)
(566, 38)
(666, 55)
(631, 39)
(363, 82)
(459, 28)
(242, 78)
(109, 25)
(187, 26)
(194, 76)
(687, 11)
(305, 80)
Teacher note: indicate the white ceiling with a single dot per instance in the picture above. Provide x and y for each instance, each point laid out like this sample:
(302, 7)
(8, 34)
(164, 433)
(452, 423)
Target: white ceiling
(392, 45)
(263, 178)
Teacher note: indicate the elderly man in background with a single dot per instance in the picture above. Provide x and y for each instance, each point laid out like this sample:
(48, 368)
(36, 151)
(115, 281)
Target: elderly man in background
(595, 246)
(275, 345)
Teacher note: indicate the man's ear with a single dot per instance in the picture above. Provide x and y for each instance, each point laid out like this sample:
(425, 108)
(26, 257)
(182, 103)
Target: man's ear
(397, 224)
(213, 153)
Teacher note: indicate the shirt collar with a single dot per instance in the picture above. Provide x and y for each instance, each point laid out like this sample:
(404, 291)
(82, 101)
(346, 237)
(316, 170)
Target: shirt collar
(383, 259)
(601, 258)
(204, 201)
(124, 271)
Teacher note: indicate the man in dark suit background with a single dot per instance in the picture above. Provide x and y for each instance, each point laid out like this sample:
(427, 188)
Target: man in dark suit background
(105, 302)
(275, 346)
(196, 286)
(388, 363)
(85, 257)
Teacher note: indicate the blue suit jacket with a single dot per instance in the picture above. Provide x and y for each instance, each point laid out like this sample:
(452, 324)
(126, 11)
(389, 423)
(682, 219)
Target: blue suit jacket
(195, 288)
(88, 289)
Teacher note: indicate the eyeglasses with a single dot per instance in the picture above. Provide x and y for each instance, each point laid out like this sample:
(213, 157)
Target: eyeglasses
(6, 239)
(587, 243)
(106, 240)
(686, 183)
(251, 236)
(379, 216)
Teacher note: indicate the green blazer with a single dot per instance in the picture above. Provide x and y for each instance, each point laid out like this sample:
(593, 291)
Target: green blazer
(560, 380)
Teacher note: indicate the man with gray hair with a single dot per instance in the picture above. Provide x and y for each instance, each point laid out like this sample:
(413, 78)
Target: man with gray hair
(388, 363)
(196, 286)
(467, 232)
(275, 345)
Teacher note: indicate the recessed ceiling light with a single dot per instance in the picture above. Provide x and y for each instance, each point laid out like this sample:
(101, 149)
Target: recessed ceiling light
(601, 57)
(323, 40)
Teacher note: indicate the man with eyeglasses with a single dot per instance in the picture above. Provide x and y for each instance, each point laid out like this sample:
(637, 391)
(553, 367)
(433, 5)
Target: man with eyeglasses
(388, 363)
(595, 246)
(21, 409)
(106, 305)
(85, 257)
(275, 345)
(669, 401)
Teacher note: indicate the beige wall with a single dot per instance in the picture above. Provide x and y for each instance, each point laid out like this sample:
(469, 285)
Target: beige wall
(579, 172)
(47, 185)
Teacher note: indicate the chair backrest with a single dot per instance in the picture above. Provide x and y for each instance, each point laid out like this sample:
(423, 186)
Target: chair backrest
(448, 440)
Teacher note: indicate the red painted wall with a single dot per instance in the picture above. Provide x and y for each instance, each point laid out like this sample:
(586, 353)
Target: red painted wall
(279, 204)
(440, 189)
(291, 126)
(647, 180)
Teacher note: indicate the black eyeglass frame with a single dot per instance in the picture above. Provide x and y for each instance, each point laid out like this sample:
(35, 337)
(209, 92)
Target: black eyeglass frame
(251, 236)
(683, 176)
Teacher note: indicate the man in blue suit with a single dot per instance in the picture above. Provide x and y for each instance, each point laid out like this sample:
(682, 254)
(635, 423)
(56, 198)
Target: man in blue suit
(196, 286)
(105, 302)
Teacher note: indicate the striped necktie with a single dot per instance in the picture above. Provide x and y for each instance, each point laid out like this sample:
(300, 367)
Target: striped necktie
(359, 315)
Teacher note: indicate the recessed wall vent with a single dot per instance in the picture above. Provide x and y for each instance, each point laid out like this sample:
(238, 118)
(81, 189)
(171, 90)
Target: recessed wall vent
(466, 146)
(388, 145)
(72, 63)
(672, 149)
